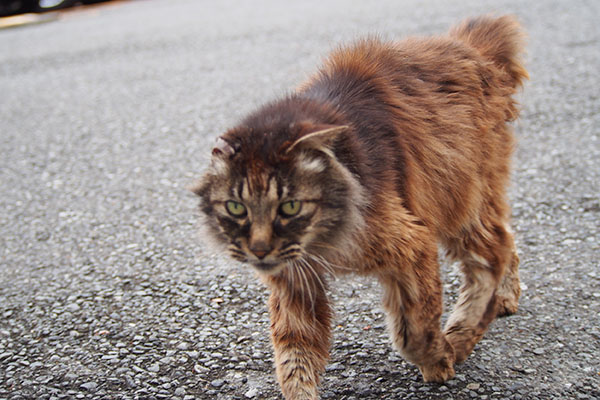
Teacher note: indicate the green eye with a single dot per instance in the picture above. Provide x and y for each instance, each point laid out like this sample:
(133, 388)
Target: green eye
(290, 208)
(235, 209)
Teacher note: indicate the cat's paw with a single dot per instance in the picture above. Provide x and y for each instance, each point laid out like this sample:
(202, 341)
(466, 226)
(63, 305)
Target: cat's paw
(507, 306)
(509, 290)
(441, 371)
(507, 297)
(300, 392)
(463, 341)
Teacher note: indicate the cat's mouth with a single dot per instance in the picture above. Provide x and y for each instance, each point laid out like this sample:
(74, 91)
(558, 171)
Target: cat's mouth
(268, 268)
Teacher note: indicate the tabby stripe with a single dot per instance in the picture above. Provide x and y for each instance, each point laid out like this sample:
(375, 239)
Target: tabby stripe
(240, 188)
(290, 245)
(290, 253)
(279, 190)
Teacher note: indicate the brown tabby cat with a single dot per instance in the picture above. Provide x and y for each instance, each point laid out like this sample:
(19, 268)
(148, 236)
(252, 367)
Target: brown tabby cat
(390, 149)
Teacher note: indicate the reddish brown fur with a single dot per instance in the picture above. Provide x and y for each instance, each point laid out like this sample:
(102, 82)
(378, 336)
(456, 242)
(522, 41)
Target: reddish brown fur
(426, 154)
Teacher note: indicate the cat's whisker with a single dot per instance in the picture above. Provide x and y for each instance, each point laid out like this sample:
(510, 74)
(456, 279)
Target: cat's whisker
(305, 285)
(330, 247)
(331, 265)
(310, 285)
(324, 245)
(287, 273)
(300, 287)
(293, 278)
(328, 264)
(312, 270)
(291, 273)
(323, 262)
(307, 281)
(323, 265)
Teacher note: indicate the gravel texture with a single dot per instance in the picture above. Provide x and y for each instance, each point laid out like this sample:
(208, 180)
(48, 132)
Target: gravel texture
(108, 292)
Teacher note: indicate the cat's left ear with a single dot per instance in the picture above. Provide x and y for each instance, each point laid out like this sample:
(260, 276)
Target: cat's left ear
(320, 137)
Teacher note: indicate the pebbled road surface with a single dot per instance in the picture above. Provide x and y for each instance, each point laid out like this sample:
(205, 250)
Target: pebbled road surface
(106, 290)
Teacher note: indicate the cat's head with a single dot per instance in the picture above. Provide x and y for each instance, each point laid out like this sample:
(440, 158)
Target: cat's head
(279, 195)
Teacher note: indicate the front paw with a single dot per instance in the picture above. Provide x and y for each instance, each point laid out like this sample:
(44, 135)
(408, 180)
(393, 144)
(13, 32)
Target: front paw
(300, 392)
(441, 371)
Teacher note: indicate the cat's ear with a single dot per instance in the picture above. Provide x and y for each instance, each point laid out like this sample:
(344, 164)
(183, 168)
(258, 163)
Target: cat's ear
(222, 153)
(222, 149)
(320, 137)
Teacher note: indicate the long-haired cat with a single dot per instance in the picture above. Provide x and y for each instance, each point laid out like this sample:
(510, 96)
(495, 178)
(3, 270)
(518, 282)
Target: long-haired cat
(389, 150)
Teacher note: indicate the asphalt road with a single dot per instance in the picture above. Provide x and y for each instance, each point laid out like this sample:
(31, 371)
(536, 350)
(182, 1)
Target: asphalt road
(108, 292)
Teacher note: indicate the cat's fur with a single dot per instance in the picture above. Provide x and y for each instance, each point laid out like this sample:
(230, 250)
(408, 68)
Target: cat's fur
(392, 149)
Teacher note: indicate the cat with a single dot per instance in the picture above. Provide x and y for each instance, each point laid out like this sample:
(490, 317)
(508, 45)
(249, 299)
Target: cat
(390, 149)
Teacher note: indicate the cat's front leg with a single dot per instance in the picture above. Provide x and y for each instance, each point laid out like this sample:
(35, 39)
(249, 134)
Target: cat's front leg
(300, 332)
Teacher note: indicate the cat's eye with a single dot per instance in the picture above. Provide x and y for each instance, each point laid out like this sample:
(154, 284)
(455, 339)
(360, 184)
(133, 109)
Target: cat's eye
(235, 209)
(290, 208)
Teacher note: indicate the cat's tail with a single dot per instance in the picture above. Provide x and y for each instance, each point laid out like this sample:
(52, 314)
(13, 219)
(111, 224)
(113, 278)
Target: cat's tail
(500, 40)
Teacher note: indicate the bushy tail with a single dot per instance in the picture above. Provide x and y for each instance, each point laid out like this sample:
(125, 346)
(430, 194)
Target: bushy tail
(500, 40)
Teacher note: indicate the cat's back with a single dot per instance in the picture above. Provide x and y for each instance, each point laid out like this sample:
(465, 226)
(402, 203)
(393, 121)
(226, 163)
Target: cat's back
(429, 72)
(425, 83)
(431, 112)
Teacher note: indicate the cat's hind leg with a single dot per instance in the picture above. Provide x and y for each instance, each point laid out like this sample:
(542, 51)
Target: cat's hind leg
(490, 283)
(509, 290)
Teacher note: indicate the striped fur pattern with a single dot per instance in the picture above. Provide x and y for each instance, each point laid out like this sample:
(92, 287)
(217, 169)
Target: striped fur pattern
(390, 150)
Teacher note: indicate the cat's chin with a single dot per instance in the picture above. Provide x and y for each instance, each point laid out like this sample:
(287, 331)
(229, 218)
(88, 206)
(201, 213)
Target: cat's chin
(269, 268)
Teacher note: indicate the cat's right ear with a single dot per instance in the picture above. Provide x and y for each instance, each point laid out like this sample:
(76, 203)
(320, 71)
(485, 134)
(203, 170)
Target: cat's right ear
(223, 149)
(221, 155)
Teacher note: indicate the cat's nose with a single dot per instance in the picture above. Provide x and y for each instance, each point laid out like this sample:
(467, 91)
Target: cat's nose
(260, 254)
(260, 249)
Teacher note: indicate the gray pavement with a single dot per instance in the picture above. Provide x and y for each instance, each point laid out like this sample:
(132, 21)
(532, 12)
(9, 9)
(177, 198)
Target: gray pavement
(108, 292)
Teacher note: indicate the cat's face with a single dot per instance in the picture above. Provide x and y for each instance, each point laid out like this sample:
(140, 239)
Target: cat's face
(272, 209)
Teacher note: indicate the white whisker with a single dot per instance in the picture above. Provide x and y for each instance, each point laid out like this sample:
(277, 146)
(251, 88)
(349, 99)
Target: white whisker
(323, 265)
(302, 280)
(313, 293)
(308, 286)
(291, 272)
(324, 245)
(315, 273)
(331, 267)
